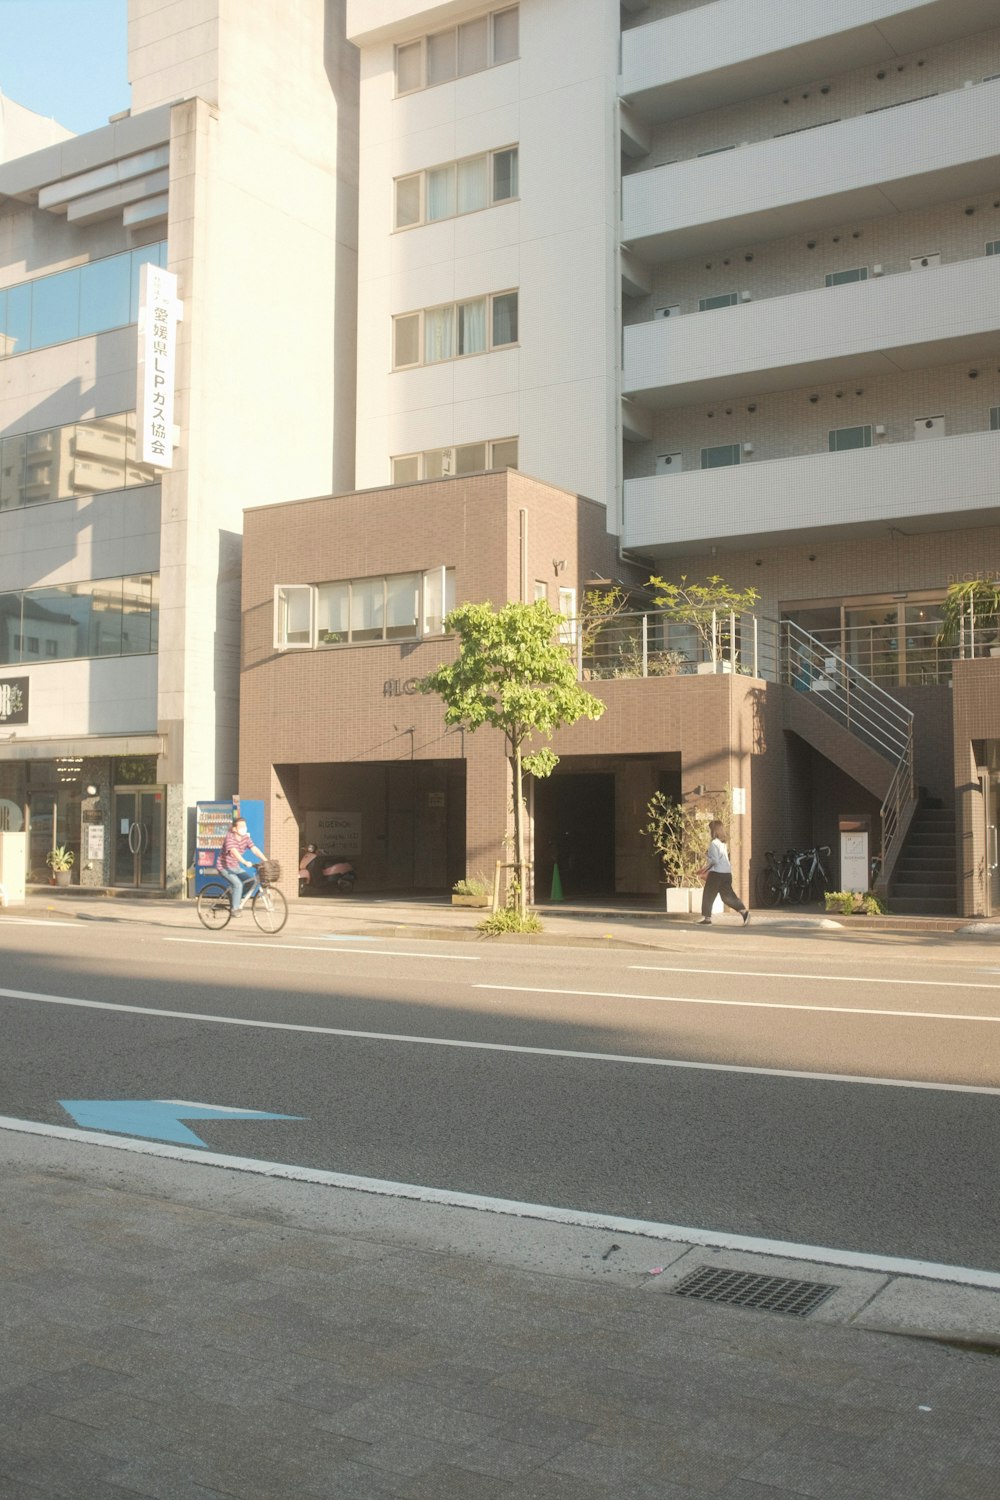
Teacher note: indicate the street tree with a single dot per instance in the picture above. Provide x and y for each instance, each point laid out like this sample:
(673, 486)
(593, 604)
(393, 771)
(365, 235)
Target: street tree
(513, 673)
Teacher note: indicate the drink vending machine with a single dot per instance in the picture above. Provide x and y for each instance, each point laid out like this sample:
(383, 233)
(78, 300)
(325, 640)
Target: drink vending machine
(212, 824)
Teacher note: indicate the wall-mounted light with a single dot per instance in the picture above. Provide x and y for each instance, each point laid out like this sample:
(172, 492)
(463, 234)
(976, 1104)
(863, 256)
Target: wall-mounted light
(558, 564)
(91, 791)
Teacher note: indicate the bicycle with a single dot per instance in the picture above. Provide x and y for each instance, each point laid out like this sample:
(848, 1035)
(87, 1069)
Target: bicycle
(267, 904)
(775, 883)
(811, 879)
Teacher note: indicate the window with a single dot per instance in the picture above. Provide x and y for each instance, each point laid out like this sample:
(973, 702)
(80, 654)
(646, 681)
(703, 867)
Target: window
(840, 278)
(995, 418)
(453, 331)
(459, 187)
(465, 458)
(993, 247)
(843, 438)
(541, 590)
(79, 459)
(103, 617)
(721, 457)
(567, 608)
(458, 52)
(71, 304)
(394, 607)
(725, 299)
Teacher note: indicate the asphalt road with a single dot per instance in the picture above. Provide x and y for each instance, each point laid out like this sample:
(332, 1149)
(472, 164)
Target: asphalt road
(816, 1095)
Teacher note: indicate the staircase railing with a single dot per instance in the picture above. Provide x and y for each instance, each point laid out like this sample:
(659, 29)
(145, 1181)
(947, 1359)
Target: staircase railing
(868, 712)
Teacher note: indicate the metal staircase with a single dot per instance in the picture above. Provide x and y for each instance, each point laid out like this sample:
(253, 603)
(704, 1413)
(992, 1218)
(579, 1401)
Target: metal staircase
(855, 723)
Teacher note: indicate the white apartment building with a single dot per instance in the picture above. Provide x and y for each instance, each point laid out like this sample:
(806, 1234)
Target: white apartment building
(235, 169)
(754, 248)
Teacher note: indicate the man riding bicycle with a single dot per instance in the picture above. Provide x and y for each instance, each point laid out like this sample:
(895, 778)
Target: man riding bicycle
(234, 846)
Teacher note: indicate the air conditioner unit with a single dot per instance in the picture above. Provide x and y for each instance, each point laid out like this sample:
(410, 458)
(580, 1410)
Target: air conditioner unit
(745, 297)
(880, 430)
(748, 447)
(876, 270)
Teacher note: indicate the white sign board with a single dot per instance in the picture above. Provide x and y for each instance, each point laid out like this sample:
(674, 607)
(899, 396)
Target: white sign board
(159, 312)
(854, 865)
(95, 841)
(335, 832)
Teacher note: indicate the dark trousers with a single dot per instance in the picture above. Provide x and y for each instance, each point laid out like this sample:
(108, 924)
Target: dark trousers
(719, 885)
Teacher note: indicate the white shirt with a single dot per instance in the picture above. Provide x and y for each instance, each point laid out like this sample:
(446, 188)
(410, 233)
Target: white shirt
(717, 858)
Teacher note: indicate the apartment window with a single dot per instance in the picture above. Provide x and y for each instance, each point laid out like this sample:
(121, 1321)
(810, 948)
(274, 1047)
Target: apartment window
(103, 617)
(71, 304)
(720, 457)
(458, 52)
(724, 299)
(541, 591)
(995, 418)
(843, 438)
(82, 458)
(841, 278)
(354, 611)
(459, 187)
(993, 247)
(567, 608)
(455, 330)
(465, 458)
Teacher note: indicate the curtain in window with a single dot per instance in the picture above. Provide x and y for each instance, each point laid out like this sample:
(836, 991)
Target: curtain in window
(332, 613)
(505, 319)
(472, 185)
(402, 592)
(504, 175)
(367, 609)
(439, 334)
(441, 56)
(505, 42)
(441, 193)
(472, 327)
(472, 38)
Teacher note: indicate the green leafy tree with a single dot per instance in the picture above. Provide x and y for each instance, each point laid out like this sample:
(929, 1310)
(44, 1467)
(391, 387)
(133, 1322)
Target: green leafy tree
(704, 606)
(512, 673)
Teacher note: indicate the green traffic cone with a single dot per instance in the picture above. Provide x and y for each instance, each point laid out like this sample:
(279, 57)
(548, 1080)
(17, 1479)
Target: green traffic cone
(557, 891)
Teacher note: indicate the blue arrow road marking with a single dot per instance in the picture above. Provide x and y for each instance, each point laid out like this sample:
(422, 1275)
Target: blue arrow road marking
(156, 1119)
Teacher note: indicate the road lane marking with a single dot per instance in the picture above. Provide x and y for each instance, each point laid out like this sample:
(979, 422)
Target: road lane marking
(649, 1229)
(839, 1010)
(458, 958)
(459, 1043)
(36, 922)
(937, 984)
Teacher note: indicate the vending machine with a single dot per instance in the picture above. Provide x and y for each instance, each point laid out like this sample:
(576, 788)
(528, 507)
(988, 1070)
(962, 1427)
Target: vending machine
(212, 824)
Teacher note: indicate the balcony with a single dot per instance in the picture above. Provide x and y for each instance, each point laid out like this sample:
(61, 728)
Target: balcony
(909, 321)
(929, 486)
(718, 54)
(893, 160)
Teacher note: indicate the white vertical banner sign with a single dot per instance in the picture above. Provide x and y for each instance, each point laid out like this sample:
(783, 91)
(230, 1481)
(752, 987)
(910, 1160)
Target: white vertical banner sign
(159, 313)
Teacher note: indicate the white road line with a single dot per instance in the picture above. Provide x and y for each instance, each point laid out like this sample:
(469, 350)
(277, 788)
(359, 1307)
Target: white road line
(457, 958)
(649, 1229)
(937, 984)
(437, 1041)
(840, 1010)
(35, 922)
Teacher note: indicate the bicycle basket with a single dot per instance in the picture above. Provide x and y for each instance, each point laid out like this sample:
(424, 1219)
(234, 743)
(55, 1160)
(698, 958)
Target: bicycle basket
(269, 871)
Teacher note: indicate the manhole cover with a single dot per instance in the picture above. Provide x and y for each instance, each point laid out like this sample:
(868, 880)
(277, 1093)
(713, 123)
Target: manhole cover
(749, 1289)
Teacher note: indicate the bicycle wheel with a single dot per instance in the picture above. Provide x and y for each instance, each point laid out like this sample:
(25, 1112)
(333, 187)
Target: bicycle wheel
(768, 888)
(270, 909)
(214, 906)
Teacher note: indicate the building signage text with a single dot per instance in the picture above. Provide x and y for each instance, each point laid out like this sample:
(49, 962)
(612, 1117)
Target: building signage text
(159, 312)
(13, 700)
(399, 687)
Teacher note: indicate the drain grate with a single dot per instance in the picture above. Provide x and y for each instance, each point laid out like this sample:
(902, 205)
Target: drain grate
(748, 1289)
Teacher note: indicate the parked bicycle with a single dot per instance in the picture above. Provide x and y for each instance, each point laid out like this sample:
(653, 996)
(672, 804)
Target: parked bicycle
(775, 881)
(794, 878)
(267, 904)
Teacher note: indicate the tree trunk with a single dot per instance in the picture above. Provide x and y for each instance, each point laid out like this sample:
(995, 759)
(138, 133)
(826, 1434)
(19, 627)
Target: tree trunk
(519, 831)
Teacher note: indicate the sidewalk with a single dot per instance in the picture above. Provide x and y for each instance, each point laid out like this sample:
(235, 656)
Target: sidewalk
(182, 1332)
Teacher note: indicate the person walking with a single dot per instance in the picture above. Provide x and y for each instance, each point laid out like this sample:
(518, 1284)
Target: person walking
(717, 874)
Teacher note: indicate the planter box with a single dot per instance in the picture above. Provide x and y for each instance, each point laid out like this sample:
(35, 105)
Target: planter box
(470, 900)
(686, 900)
(713, 668)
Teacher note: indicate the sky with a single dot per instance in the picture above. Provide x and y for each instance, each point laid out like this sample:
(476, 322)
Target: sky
(65, 59)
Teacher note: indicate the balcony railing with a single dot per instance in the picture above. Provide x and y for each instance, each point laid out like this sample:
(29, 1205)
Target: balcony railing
(649, 645)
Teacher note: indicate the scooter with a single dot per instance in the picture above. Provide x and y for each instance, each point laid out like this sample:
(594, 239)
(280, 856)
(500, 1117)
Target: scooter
(323, 874)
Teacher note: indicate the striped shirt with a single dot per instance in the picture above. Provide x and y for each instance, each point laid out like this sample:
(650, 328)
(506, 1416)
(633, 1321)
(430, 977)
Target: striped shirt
(233, 845)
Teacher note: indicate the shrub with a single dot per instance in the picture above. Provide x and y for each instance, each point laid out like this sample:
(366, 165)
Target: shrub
(473, 885)
(509, 919)
(854, 903)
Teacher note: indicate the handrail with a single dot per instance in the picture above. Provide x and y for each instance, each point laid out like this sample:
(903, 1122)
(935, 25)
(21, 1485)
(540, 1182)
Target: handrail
(867, 711)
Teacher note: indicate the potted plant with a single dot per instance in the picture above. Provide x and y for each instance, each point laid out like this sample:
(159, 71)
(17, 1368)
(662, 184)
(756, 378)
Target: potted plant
(60, 862)
(706, 608)
(473, 891)
(679, 835)
(971, 613)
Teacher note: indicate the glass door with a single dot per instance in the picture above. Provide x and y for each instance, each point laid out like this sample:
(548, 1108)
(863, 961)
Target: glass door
(138, 823)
